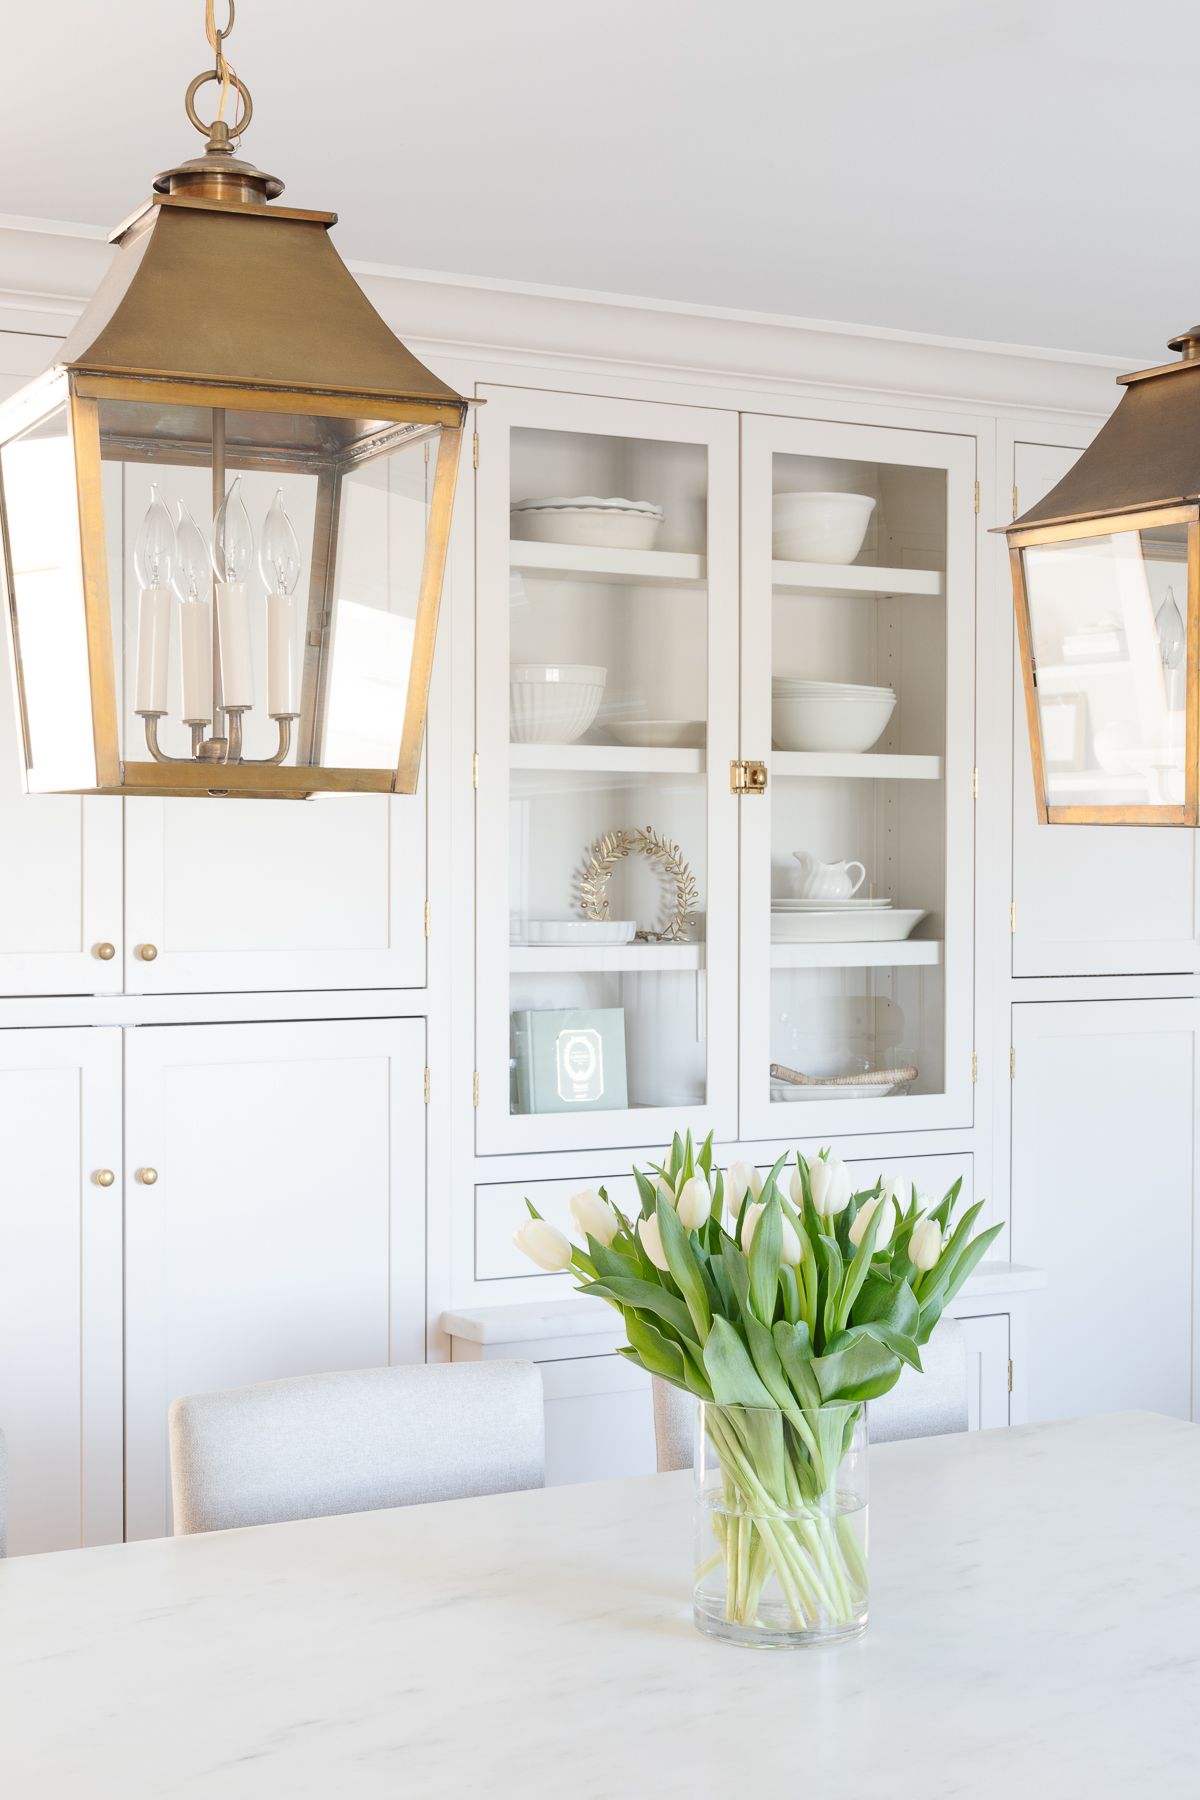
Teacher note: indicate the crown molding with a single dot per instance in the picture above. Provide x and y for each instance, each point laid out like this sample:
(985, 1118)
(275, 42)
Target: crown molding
(50, 268)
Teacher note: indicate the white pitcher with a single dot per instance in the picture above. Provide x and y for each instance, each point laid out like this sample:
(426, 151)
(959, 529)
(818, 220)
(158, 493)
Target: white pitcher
(827, 881)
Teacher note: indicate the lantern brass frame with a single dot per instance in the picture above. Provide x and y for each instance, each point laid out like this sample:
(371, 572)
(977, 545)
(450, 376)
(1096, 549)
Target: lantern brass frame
(1066, 531)
(292, 334)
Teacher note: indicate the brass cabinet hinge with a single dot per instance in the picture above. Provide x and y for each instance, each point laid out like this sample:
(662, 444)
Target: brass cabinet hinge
(427, 1085)
(475, 1087)
(1012, 1063)
(1010, 1374)
(974, 784)
(747, 777)
(475, 451)
(1016, 503)
(475, 770)
(976, 497)
(974, 1066)
(427, 918)
(1012, 918)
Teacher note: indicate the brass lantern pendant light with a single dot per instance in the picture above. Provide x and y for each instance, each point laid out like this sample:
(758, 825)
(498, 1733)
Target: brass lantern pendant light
(1106, 580)
(225, 510)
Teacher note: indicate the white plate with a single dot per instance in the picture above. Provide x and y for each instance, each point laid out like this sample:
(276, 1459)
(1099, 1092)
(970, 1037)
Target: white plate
(884, 925)
(786, 1091)
(577, 931)
(586, 503)
(658, 734)
(788, 905)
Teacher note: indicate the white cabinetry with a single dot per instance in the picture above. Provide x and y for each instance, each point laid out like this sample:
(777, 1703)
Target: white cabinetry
(285, 1231)
(1091, 900)
(1104, 1110)
(60, 1286)
(234, 895)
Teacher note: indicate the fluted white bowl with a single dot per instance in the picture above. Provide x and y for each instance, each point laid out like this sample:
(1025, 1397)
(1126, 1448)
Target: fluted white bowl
(553, 703)
(827, 528)
(838, 722)
(606, 528)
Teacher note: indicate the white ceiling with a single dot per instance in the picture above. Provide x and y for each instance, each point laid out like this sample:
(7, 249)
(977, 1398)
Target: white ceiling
(1018, 170)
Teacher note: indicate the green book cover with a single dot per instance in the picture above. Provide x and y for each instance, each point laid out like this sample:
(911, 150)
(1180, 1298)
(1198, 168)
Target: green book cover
(570, 1060)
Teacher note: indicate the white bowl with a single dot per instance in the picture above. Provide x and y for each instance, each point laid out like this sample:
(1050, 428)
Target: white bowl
(553, 703)
(658, 734)
(594, 932)
(586, 503)
(835, 722)
(827, 528)
(607, 528)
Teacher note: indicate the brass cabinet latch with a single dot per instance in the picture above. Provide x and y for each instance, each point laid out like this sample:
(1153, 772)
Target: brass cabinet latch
(747, 777)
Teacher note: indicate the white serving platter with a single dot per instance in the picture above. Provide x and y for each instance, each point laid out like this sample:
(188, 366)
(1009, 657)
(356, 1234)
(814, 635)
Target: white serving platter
(871, 926)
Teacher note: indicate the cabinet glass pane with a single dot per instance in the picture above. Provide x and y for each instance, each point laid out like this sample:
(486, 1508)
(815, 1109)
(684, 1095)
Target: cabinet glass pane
(857, 797)
(607, 797)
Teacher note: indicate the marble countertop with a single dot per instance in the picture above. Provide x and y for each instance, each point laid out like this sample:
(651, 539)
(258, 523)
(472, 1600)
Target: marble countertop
(1035, 1631)
(575, 1315)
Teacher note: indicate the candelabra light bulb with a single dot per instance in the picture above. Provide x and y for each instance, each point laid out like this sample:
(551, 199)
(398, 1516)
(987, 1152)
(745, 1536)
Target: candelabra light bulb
(233, 540)
(279, 549)
(154, 550)
(190, 576)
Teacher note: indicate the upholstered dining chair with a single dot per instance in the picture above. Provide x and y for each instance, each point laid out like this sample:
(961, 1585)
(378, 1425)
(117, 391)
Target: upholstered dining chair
(927, 1405)
(314, 1445)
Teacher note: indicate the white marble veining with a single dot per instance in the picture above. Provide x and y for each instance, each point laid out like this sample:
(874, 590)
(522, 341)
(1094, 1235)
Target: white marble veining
(1035, 1631)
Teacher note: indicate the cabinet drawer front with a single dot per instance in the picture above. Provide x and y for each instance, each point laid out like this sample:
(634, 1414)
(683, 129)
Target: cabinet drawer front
(500, 1208)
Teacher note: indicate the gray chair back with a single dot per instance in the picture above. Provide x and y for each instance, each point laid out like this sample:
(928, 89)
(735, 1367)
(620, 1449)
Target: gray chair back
(315, 1445)
(927, 1405)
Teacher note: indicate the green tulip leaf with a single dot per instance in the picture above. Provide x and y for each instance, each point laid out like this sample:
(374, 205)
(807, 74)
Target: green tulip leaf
(645, 1296)
(862, 1370)
(684, 1267)
(735, 1382)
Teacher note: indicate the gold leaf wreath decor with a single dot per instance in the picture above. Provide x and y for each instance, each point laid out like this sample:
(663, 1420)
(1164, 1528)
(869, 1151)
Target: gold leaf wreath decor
(667, 857)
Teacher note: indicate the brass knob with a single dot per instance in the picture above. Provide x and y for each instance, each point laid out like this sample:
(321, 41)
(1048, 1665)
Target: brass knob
(106, 952)
(148, 952)
(147, 1177)
(104, 1178)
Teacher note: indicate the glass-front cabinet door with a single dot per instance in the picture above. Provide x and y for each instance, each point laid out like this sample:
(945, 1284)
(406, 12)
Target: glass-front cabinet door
(858, 608)
(606, 723)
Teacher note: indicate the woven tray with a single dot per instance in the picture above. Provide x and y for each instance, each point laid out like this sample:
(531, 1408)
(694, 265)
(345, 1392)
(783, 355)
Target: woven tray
(865, 1078)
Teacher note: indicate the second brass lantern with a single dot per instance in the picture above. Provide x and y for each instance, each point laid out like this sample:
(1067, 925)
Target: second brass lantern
(225, 511)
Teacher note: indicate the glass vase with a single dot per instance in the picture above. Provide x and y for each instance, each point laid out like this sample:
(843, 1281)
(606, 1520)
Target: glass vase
(781, 1524)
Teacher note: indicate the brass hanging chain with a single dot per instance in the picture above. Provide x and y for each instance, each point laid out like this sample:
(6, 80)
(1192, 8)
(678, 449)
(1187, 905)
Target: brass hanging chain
(219, 133)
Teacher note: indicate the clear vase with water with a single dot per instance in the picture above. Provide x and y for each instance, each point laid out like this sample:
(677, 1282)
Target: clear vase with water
(781, 1524)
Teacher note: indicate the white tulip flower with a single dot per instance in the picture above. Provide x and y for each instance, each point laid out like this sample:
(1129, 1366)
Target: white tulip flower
(652, 1244)
(925, 1244)
(866, 1213)
(741, 1179)
(829, 1179)
(663, 1184)
(544, 1244)
(796, 1188)
(792, 1247)
(594, 1217)
(695, 1203)
(900, 1188)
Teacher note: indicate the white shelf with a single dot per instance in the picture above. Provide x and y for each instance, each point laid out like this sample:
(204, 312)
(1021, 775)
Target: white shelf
(588, 562)
(548, 959)
(904, 953)
(869, 766)
(853, 578)
(605, 759)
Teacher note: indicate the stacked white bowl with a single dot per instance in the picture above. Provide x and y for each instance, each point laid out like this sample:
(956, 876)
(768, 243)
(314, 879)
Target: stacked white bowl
(828, 715)
(614, 524)
(553, 703)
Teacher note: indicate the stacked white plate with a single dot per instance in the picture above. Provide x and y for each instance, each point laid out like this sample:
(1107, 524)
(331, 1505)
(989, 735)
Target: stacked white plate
(841, 921)
(614, 524)
(828, 715)
(574, 933)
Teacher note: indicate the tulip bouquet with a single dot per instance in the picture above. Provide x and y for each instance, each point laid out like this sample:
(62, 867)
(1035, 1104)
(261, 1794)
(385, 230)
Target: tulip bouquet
(783, 1305)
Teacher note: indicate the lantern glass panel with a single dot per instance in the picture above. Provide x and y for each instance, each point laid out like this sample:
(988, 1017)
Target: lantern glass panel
(306, 625)
(46, 595)
(1108, 623)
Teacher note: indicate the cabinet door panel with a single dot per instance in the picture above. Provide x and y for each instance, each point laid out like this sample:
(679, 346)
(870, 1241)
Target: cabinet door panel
(60, 1286)
(987, 1347)
(1090, 899)
(250, 895)
(1103, 1132)
(285, 1232)
(61, 897)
